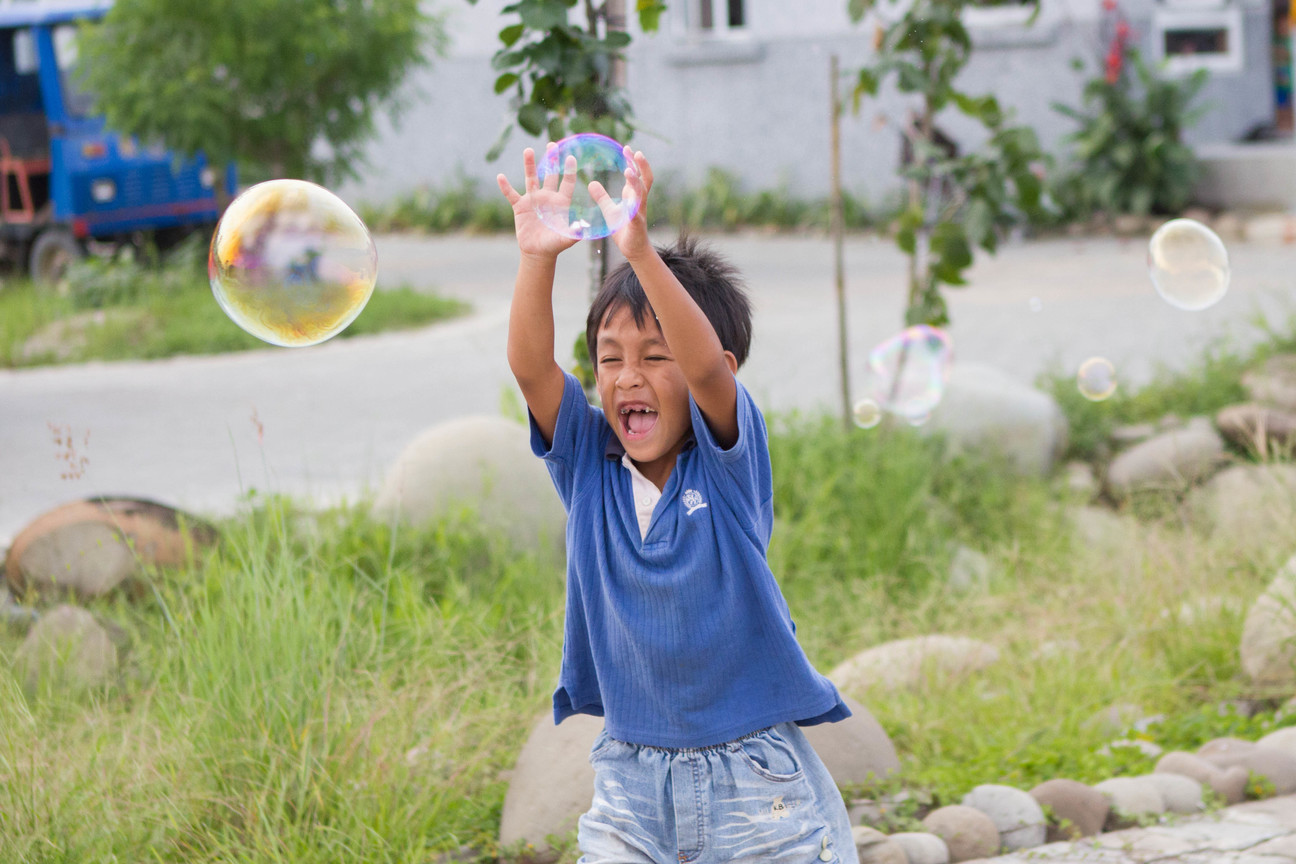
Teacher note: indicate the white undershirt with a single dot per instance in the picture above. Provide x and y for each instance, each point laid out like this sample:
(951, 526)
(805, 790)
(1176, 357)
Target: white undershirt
(646, 495)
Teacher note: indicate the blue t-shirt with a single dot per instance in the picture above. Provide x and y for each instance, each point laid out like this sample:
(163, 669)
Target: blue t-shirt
(681, 638)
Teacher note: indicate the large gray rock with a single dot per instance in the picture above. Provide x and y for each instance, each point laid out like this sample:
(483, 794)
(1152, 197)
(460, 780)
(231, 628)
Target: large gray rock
(874, 847)
(66, 649)
(968, 833)
(1268, 646)
(908, 663)
(856, 750)
(1274, 765)
(1171, 461)
(90, 548)
(1280, 739)
(1131, 798)
(1078, 810)
(1016, 814)
(1257, 429)
(922, 848)
(1250, 507)
(483, 465)
(553, 782)
(1179, 793)
(1274, 382)
(984, 409)
(1228, 783)
(1103, 531)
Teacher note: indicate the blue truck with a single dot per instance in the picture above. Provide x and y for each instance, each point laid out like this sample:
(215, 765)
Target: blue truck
(67, 183)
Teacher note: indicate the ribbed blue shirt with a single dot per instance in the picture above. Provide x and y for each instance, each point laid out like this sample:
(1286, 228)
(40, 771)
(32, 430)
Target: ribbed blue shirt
(681, 638)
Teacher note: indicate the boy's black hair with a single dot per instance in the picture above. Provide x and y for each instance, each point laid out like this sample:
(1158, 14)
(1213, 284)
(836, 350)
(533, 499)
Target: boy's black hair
(712, 282)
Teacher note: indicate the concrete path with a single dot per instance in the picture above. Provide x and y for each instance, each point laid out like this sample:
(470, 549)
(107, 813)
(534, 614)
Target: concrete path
(327, 421)
(1257, 832)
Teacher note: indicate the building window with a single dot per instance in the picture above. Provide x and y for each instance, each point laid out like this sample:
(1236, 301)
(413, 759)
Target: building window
(1186, 39)
(718, 16)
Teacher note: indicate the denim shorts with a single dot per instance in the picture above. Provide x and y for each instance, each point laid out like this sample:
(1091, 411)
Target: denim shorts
(765, 797)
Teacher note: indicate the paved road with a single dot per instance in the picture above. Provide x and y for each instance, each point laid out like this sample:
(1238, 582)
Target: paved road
(327, 421)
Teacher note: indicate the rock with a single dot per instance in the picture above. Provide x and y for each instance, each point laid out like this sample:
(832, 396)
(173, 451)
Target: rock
(1102, 530)
(874, 847)
(553, 782)
(67, 649)
(969, 570)
(1080, 480)
(1179, 793)
(482, 464)
(1268, 646)
(984, 409)
(1257, 429)
(1134, 433)
(1015, 813)
(1077, 810)
(1274, 383)
(1250, 507)
(922, 848)
(907, 663)
(968, 833)
(1229, 783)
(1170, 461)
(89, 548)
(856, 750)
(1130, 799)
(1276, 766)
(1281, 739)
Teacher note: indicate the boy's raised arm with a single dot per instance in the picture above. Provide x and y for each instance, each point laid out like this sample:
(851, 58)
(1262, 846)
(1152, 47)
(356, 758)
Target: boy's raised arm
(707, 367)
(531, 324)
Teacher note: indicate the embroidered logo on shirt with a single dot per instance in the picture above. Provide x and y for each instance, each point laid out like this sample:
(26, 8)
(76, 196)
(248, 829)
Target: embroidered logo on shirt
(692, 499)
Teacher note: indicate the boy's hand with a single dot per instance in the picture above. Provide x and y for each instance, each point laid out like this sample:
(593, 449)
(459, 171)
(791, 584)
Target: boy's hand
(533, 236)
(631, 238)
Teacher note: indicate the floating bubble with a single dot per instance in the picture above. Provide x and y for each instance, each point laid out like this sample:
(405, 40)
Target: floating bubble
(867, 414)
(597, 158)
(907, 373)
(1188, 264)
(1096, 379)
(291, 264)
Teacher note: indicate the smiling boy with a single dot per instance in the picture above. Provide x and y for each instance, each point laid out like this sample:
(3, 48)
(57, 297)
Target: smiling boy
(676, 632)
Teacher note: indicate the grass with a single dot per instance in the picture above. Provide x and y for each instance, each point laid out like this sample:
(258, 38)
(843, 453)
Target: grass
(119, 310)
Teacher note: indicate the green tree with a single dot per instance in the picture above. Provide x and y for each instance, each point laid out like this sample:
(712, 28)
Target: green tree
(286, 87)
(956, 202)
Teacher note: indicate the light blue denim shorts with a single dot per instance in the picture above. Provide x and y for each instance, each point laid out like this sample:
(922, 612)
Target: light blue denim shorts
(765, 797)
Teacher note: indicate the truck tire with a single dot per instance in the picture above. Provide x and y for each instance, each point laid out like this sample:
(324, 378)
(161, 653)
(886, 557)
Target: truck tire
(54, 250)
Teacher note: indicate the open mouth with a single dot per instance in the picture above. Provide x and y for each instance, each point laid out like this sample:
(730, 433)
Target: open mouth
(637, 420)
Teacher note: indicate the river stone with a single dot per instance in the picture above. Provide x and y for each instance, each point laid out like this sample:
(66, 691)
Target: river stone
(552, 783)
(1257, 429)
(1170, 461)
(1100, 529)
(1274, 383)
(922, 848)
(1276, 766)
(482, 465)
(984, 409)
(1228, 783)
(67, 649)
(1268, 647)
(969, 570)
(1130, 798)
(968, 833)
(1180, 794)
(874, 847)
(1281, 739)
(907, 663)
(856, 750)
(1015, 813)
(1078, 810)
(90, 548)
(1248, 506)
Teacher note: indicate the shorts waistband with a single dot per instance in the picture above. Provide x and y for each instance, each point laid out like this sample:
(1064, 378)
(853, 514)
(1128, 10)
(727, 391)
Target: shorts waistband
(710, 748)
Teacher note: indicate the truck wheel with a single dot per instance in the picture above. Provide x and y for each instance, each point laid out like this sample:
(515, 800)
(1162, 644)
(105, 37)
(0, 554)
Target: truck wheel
(54, 250)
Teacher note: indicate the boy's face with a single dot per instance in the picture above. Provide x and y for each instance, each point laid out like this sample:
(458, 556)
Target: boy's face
(644, 393)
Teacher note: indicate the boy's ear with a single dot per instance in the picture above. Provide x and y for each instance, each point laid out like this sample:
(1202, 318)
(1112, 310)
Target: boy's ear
(732, 361)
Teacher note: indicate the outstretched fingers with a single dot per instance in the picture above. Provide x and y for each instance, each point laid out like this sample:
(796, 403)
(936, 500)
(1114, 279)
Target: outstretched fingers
(507, 188)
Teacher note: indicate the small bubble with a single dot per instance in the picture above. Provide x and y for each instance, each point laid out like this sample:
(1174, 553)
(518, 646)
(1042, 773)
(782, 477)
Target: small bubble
(867, 414)
(1096, 379)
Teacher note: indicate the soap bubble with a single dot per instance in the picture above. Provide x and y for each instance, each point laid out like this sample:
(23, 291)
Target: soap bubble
(1096, 379)
(291, 264)
(1188, 264)
(907, 373)
(867, 414)
(597, 158)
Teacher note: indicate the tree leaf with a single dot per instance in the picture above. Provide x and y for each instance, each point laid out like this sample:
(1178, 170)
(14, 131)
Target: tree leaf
(650, 12)
(505, 81)
(511, 34)
(532, 117)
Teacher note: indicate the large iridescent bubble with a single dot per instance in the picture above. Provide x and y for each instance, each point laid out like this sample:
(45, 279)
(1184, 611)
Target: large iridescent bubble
(1188, 264)
(591, 157)
(907, 373)
(291, 263)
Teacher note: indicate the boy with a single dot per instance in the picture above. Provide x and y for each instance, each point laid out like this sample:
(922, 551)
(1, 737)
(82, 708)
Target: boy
(676, 632)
